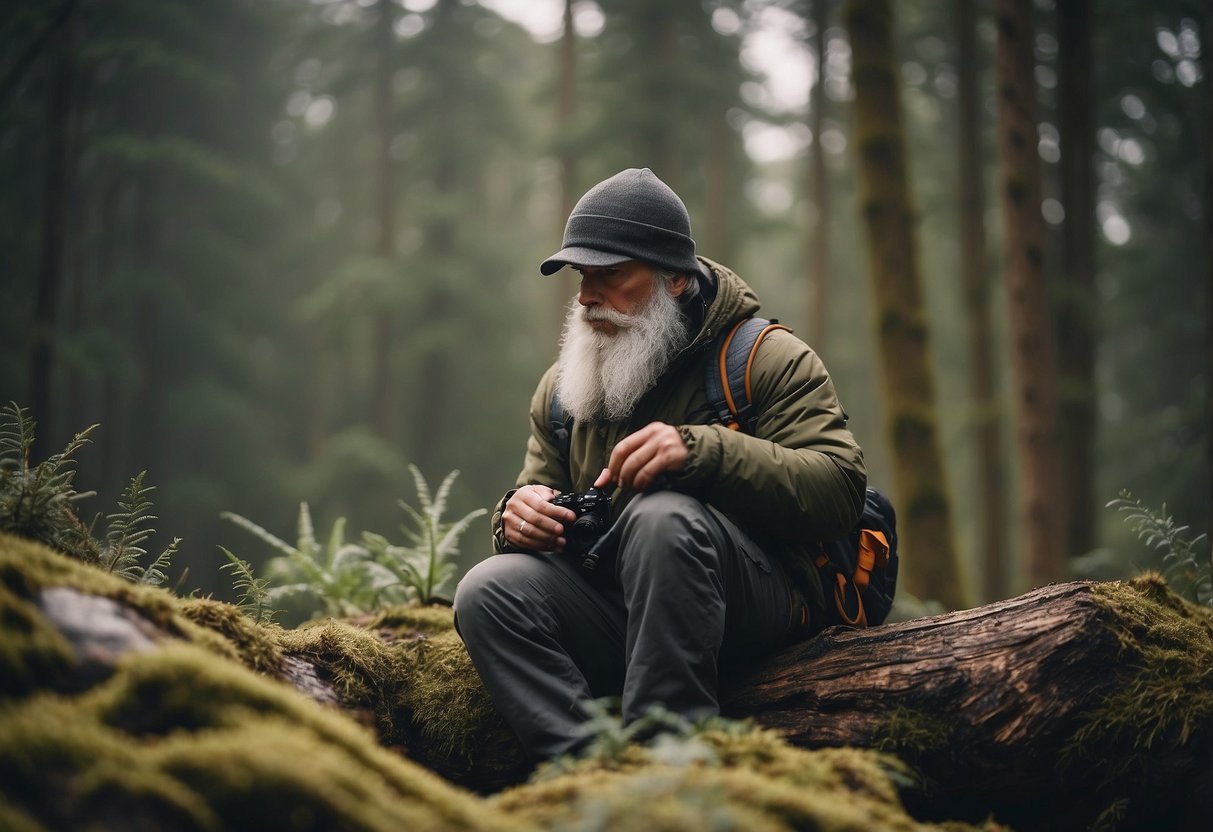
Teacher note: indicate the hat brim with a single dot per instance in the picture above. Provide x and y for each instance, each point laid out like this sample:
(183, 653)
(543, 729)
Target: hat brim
(579, 256)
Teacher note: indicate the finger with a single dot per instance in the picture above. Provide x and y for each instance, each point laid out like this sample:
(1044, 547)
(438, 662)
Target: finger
(604, 478)
(623, 451)
(663, 451)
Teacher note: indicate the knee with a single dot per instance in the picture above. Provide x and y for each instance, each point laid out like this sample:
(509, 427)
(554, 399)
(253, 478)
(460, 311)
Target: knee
(487, 586)
(662, 514)
(666, 528)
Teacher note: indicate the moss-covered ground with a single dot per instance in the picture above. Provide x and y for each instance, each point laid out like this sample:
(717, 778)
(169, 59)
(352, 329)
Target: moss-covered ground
(200, 731)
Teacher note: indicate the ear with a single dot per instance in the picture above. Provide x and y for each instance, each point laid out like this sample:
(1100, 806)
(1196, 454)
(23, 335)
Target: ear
(678, 285)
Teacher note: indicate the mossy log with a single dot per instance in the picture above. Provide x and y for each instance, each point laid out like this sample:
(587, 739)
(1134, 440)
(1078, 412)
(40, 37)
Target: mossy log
(1074, 702)
(1077, 705)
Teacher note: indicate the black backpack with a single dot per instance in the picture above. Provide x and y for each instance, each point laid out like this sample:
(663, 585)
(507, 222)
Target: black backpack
(858, 570)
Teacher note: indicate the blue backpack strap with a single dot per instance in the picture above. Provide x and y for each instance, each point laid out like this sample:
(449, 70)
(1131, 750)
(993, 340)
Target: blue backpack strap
(727, 377)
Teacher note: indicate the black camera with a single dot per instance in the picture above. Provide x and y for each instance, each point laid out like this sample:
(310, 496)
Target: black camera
(593, 510)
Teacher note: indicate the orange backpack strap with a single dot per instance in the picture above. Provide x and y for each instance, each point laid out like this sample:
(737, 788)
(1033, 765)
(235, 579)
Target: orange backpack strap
(728, 383)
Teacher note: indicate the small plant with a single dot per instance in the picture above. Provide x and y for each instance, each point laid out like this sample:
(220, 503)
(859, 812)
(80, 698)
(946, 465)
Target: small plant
(339, 578)
(671, 738)
(127, 531)
(1177, 557)
(426, 566)
(38, 502)
(254, 591)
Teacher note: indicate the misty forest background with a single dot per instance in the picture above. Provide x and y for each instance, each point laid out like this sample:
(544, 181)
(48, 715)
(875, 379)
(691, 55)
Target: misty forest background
(280, 249)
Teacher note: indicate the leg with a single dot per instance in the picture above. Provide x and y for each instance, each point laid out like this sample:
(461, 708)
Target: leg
(697, 589)
(543, 641)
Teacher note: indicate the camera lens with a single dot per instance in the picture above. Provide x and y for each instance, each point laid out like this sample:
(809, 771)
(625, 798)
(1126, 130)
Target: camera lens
(584, 531)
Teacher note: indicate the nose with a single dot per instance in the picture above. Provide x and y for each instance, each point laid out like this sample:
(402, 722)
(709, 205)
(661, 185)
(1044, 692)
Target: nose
(588, 293)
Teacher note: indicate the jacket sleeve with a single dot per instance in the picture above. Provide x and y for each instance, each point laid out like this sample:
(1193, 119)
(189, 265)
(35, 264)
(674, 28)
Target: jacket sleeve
(801, 475)
(543, 464)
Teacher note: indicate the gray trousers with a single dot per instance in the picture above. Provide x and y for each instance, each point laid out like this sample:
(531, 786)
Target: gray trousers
(686, 593)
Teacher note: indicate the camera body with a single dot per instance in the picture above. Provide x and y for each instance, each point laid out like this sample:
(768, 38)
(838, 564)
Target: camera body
(593, 510)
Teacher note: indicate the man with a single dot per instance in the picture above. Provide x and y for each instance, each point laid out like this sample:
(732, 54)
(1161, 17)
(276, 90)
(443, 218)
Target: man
(706, 562)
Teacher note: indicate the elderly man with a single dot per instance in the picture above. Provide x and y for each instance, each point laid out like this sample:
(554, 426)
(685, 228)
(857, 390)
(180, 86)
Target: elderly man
(706, 559)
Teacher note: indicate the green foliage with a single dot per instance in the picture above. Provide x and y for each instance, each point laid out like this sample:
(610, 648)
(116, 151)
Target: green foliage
(127, 532)
(337, 578)
(426, 565)
(38, 503)
(672, 738)
(254, 591)
(1174, 555)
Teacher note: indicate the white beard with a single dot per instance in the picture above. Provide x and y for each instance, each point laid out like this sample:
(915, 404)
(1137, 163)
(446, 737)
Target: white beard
(604, 376)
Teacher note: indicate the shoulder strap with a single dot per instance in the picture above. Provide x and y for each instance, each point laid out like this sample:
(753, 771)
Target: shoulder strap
(727, 381)
(560, 422)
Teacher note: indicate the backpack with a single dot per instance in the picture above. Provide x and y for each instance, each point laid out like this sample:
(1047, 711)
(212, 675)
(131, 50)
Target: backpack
(858, 571)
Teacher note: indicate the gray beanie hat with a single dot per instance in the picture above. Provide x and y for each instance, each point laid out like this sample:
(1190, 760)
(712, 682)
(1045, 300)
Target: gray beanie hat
(631, 216)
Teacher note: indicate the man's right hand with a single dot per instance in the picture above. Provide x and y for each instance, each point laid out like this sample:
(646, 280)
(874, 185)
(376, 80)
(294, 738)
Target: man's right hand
(531, 522)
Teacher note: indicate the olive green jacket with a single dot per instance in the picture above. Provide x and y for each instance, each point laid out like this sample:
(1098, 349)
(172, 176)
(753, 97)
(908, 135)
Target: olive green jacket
(799, 478)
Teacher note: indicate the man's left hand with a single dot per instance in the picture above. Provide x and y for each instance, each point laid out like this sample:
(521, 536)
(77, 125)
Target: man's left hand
(640, 458)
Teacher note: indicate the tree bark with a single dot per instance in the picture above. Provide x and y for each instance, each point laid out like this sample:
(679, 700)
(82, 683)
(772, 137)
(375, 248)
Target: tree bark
(1206, 31)
(1041, 703)
(1075, 302)
(565, 109)
(54, 237)
(382, 412)
(975, 277)
(1032, 358)
(818, 184)
(907, 379)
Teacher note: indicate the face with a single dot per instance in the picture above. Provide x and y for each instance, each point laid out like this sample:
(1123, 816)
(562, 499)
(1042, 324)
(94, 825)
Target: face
(624, 288)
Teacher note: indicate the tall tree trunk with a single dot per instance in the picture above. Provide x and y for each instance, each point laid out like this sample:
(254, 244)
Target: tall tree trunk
(975, 276)
(385, 209)
(566, 74)
(1206, 38)
(818, 184)
(1075, 303)
(54, 221)
(924, 509)
(145, 415)
(715, 238)
(1032, 359)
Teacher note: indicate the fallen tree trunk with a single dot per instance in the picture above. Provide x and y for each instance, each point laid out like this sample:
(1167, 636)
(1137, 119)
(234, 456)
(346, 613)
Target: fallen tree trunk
(1053, 709)
(1075, 705)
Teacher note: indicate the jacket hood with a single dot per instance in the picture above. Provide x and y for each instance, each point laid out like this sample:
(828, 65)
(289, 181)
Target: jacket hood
(734, 301)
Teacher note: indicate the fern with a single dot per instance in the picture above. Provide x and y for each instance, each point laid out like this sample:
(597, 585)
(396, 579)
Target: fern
(37, 502)
(1175, 555)
(337, 579)
(255, 593)
(426, 563)
(127, 531)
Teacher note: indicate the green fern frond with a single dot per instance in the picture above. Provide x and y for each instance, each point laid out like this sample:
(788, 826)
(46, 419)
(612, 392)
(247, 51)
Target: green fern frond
(155, 574)
(258, 532)
(423, 490)
(16, 436)
(305, 533)
(254, 591)
(1175, 556)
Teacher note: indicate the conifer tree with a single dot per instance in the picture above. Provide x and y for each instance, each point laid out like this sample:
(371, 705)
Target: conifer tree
(907, 380)
(1032, 359)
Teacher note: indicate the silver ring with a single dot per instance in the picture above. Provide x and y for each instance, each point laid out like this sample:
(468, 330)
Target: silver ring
(522, 527)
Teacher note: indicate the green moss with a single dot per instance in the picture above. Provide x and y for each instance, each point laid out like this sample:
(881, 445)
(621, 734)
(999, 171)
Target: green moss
(749, 781)
(912, 734)
(1166, 659)
(180, 738)
(257, 644)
